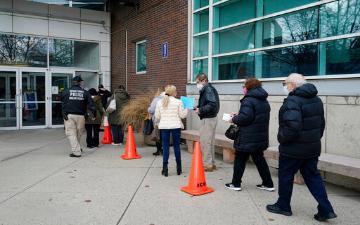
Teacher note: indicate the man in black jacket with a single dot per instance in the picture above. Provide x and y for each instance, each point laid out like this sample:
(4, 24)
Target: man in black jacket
(207, 110)
(75, 103)
(301, 126)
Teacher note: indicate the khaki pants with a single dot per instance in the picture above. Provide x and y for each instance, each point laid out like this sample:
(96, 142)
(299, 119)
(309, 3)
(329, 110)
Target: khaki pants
(207, 140)
(74, 128)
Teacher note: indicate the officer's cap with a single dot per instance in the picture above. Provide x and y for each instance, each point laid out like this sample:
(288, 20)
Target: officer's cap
(77, 79)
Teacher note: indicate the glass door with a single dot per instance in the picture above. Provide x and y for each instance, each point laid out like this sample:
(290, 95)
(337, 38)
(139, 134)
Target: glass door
(33, 101)
(9, 95)
(60, 81)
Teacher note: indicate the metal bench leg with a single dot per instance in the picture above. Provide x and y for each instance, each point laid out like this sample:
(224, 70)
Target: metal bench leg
(228, 155)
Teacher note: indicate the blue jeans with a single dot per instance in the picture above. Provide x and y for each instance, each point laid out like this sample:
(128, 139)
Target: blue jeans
(313, 180)
(165, 136)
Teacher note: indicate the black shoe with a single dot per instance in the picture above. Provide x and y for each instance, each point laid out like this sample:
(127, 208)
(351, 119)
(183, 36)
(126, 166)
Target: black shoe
(178, 169)
(323, 218)
(73, 155)
(90, 146)
(165, 170)
(266, 188)
(233, 187)
(276, 209)
(156, 153)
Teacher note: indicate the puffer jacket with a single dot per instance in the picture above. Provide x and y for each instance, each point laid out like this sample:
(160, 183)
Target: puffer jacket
(301, 123)
(209, 103)
(170, 117)
(99, 111)
(253, 122)
(121, 98)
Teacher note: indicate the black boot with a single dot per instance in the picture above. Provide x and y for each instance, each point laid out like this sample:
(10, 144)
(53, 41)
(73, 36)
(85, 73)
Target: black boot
(178, 168)
(165, 170)
(159, 150)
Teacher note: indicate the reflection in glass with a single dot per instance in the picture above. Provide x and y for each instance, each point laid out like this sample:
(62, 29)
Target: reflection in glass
(33, 84)
(234, 67)
(235, 39)
(201, 21)
(59, 83)
(343, 56)
(233, 12)
(23, 50)
(299, 26)
(201, 45)
(141, 57)
(200, 3)
(297, 59)
(62, 53)
(7, 99)
(200, 66)
(340, 17)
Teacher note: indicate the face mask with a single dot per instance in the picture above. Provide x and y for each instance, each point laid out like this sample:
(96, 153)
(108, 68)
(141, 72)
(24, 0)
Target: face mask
(286, 91)
(199, 86)
(245, 90)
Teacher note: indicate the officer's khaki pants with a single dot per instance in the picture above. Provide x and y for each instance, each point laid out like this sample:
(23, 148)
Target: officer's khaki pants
(207, 140)
(74, 128)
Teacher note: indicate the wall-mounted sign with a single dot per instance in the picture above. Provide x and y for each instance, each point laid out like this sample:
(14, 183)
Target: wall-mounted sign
(165, 50)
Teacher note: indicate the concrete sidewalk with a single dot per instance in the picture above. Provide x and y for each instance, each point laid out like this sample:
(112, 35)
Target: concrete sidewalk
(40, 184)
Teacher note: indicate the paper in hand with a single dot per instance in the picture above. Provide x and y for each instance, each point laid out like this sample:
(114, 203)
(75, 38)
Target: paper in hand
(227, 117)
(188, 103)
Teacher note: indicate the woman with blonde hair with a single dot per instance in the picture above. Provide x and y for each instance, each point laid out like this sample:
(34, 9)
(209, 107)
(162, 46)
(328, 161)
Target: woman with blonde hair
(169, 112)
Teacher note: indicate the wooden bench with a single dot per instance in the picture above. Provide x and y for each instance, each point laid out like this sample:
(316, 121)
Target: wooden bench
(341, 165)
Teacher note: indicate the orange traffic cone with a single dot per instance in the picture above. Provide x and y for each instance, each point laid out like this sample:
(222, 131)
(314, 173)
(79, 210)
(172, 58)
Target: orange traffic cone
(130, 146)
(197, 181)
(107, 138)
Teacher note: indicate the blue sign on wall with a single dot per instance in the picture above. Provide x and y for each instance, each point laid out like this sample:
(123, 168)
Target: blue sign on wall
(165, 50)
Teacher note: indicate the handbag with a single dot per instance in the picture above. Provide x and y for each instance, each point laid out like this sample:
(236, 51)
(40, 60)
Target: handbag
(148, 127)
(232, 132)
(112, 106)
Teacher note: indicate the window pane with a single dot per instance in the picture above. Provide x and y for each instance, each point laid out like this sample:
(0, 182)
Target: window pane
(296, 59)
(272, 6)
(236, 39)
(200, 3)
(201, 21)
(141, 57)
(299, 26)
(201, 45)
(62, 53)
(200, 66)
(233, 12)
(86, 55)
(234, 67)
(343, 56)
(340, 17)
(23, 50)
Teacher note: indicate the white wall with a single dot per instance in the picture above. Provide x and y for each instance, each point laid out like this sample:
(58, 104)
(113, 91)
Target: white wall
(31, 18)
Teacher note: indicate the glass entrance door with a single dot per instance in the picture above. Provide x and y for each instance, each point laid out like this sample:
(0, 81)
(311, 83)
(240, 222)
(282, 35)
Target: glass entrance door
(59, 83)
(33, 101)
(9, 95)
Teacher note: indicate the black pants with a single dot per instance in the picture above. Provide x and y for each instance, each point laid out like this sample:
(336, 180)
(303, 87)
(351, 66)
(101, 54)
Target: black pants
(313, 180)
(92, 134)
(239, 167)
(117, 133)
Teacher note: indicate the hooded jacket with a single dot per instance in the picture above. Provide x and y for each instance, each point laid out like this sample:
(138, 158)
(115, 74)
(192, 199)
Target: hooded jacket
(121, 98)
(253, 122)
(301, 123)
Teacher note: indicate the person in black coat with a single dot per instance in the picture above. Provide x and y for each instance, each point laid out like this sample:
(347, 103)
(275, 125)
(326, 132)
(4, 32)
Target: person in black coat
(253, 135)
(301, 126)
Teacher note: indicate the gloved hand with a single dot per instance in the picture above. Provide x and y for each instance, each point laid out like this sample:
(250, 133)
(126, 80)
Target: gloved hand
(65, 117)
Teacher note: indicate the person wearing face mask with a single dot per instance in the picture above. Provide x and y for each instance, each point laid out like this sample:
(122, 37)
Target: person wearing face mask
(301, 126)
(253, 135)
(207, 109)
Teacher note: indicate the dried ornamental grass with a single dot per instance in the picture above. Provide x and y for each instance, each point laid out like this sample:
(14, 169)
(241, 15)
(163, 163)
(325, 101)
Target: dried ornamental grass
(136, 111)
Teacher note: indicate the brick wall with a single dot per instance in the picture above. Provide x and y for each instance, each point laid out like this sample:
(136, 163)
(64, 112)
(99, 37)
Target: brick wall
(157, 21)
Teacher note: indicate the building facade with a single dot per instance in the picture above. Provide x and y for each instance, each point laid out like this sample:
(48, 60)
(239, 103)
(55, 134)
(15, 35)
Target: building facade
(149, 45)
(231, 40)
(42, 46)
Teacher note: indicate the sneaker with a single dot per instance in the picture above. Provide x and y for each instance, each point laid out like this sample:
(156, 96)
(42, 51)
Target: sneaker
(263, 187)
(73, 155)
(276, 209)
(209, 168)
(322, 218)
(116, 144)
(232, 187)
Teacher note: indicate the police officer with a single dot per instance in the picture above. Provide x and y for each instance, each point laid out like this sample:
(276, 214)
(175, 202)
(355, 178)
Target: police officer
(77, 103)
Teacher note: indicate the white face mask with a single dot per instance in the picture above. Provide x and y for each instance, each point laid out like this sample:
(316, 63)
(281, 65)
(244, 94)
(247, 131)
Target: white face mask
(199, 86)
(286, 91)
